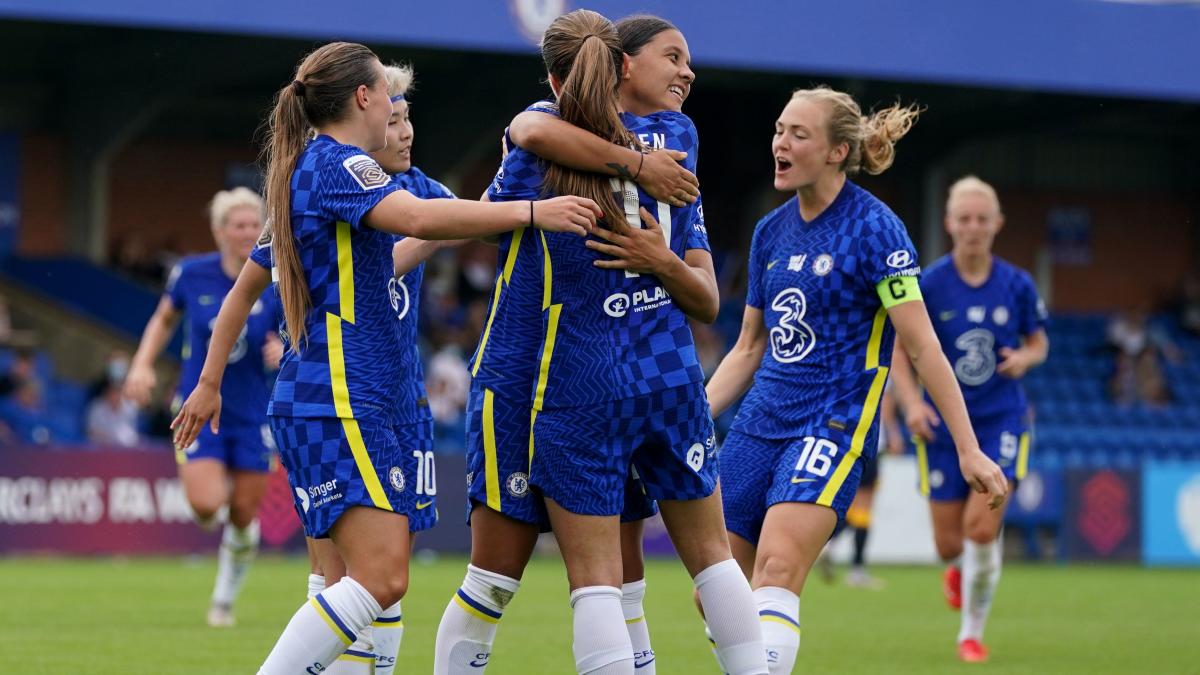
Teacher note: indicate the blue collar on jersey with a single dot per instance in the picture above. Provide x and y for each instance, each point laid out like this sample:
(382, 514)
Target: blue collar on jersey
(397, 97)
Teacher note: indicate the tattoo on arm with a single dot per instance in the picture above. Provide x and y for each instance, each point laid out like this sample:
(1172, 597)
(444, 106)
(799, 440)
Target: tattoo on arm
(621, 169)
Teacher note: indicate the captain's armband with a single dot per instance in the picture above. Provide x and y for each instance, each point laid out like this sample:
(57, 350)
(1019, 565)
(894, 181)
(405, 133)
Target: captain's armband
(898, 290)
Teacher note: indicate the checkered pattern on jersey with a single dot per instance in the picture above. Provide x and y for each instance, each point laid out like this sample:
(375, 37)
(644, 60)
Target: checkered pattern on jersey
(196, 287)
(618, 336)
(323, 474)
(331, 193)
(582, 455)
(816, 285)
(405, 296)
(508, 484)
(974, 323)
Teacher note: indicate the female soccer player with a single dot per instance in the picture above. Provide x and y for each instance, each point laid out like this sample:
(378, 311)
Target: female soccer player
(226, 472)
(414, 423)
(657, 78)
(991, 325)
(617, 372)
(831, 271)
(332, 213)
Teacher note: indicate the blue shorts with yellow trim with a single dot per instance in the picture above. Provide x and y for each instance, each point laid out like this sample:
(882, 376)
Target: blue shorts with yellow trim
(817, 466)
(1004, 439)
(334, 464)
(584, 457)
(239, 448)
(498, 456)
(416, 447)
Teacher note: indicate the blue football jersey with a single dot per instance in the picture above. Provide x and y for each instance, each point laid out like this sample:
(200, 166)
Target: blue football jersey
(973, 324)
(347, 366)
(829, 343)
(196, 287)
(405, 294)
(609, 334)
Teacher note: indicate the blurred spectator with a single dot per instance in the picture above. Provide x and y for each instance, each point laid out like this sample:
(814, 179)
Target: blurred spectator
(710, 346)
(111, 419)
(447, 382)
(116, 366)
(1139, 346)
(25, 413)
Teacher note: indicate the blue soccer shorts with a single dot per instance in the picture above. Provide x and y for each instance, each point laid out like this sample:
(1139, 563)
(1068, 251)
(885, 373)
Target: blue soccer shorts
(416, 449)
(334, 464)
(1005, 439)
(239, 448)
(586, 457)
(820, 465)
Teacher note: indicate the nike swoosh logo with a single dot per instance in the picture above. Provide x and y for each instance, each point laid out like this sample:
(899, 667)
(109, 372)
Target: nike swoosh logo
(478, 664)
(802, 480)
(421, 506)
(643, 664)
(771, 264)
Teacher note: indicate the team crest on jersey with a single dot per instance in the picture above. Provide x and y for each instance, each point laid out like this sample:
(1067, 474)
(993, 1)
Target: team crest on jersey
(1000, 315)
(396, 477)
(366, 172)
(517, 484)
(823, 265)
(936, 478)
(695, 456)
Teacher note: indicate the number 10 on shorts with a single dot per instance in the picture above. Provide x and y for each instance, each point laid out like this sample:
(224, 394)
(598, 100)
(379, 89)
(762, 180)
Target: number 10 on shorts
(817, 456)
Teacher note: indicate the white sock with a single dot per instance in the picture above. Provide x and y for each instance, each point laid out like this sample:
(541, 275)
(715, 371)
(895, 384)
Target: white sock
(358, 659)
(239, 545)
(316, 584)
(601, 644)
(713, 646)
(322, 629)
(729, 610)
(980, 576)
(779, 614)
(468, 627)
(388, 631)
(632, 595)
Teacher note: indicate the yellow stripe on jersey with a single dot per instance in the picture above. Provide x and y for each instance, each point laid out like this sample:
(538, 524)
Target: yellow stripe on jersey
(491, 472)
(547, 272)
(532, 421)
(898, 290)
(337, 367)
(362, 461)
(1023, 456)
(922, 465)
(345, 272)
(870, 407)
(510, 263)
(551, 331)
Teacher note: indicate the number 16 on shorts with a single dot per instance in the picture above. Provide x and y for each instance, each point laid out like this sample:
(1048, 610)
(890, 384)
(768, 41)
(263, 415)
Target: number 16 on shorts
(816, 459)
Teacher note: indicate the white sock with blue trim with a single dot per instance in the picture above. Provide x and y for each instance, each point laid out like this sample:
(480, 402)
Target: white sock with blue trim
(468, 626)
(713, 647)
(729, 609)
(601, 643)
(632, 595)
(980, 576)
(316, 584)
(322, 629)
(779, 614)
(388, 632)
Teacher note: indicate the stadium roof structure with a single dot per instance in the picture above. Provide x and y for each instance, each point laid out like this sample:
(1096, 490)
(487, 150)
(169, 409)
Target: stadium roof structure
(1131, 49)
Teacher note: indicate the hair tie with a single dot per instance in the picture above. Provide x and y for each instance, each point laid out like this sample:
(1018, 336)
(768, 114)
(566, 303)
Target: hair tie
(397, 98)
(298, 87)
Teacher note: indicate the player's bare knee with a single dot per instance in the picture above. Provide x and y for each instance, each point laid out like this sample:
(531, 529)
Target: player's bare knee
(980, 533)
(242, 511)
(947, 548)
(205, 506)
(775, 569)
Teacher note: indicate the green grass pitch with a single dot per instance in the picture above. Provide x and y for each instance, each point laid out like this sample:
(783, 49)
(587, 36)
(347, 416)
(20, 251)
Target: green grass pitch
(146, 616)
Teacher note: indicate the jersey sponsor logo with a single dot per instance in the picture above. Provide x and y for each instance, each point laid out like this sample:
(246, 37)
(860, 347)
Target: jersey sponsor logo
(796, 262)
(302, 497)
(1000, 315)
(619, 304)
(899, 259)
(695, 456)
(976, 314)
(823, 265)
(517, 484)
(398, 294)
(978, 361)
(366, 172)
(792, 339)
(396, 478)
